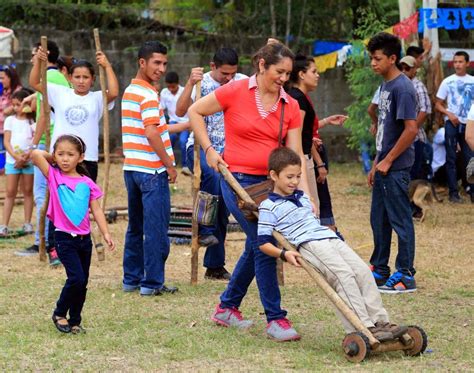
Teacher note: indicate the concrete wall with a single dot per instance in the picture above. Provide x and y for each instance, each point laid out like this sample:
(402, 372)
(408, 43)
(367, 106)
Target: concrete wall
(121, 48)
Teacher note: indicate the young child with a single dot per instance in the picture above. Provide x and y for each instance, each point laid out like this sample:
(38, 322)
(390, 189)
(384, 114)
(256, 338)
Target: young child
(289, 211)
(17, 140)
(72, 193)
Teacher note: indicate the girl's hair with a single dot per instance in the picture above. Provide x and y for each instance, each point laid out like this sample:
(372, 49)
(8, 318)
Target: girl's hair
(11, 72)
(272, 54)
(82, 63)
(65, 61)
(302, 63)
(20, 96)
(80, 147)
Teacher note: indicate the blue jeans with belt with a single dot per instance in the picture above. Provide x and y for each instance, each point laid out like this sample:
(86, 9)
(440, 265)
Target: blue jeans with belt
(147, 245)
(210, 183)
(454, 135)
(75, 255)
(253, 262)
(391, 210)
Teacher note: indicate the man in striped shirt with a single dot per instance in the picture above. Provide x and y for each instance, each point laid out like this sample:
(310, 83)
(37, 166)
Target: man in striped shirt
(148, 168)
(289, 211)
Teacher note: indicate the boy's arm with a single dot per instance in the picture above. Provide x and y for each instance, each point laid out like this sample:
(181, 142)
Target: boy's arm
(102, 223)
(285, 255)
(179, 127)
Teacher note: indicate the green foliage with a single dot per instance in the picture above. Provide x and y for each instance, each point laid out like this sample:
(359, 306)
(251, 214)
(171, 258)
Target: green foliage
(362, 81)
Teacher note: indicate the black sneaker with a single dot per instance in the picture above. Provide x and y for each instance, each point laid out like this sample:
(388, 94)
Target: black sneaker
(29, 251)
(380, 280)
(169, 289)
(455, 199)
(217, 274)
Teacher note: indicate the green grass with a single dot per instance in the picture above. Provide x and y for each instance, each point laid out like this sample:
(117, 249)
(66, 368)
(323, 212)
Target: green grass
(126, 332)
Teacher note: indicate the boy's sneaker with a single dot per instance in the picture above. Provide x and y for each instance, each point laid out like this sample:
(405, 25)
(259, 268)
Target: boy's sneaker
(282, 331)
(28, 228)
(29, 251)
(230, 317)
(186, 171)
(4, 231)
(379, 279)
(380, 334)
(217, 274)
(208, 240)
(396, 330)
(53, 258)
(399, 283)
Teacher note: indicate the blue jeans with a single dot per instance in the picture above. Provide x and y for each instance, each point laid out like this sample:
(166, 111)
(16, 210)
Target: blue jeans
(146, 242)
(183, 139)
(253, 262)
(75, 255)
(210, 183)
(391, 210)
(39, 192)
(454, 135)
(326, 216)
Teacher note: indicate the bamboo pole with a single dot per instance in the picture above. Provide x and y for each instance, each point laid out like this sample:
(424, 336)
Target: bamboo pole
(195, 190)
(99, 246)
(45, 111)
(312, 272)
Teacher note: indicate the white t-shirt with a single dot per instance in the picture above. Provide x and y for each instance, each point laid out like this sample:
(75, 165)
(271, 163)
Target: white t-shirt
(77, 115)
(22, 135)
(458, 91)
(168, 102)
(439, 150)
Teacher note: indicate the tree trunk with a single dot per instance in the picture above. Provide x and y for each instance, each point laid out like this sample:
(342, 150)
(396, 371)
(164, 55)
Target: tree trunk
(273, 18)
(300, 30)
(288, 22)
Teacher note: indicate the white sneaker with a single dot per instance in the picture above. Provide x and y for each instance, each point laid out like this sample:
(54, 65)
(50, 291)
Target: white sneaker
(186, 171)
(28, 228)
(4, 231)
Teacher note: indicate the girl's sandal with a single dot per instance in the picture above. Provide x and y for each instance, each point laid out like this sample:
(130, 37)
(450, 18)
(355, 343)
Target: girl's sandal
(63, 328)
(77, 329)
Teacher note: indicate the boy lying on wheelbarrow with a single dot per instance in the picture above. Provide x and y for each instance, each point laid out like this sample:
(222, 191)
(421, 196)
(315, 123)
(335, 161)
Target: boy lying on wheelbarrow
(289, 211)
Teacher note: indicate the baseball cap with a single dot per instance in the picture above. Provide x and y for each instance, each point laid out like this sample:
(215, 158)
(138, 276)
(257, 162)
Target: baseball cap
(408, 60)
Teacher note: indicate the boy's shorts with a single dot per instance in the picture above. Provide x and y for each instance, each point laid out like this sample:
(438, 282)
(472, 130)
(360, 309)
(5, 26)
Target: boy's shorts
(11, 170)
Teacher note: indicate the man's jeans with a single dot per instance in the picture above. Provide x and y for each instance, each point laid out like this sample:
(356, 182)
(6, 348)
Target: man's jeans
(75, 255)
(39, 193)
(146, 242)
(391, 210)
(454, 135)
(253, 262)
(210, 183)
(183, 139)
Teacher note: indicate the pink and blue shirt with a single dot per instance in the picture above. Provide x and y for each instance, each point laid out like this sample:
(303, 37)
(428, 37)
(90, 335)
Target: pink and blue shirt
(69, 201)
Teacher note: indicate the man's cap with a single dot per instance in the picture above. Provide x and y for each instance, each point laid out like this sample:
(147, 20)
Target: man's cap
(408, 60)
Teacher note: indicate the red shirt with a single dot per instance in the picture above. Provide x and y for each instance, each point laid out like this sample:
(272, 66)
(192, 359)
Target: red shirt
(251, 134)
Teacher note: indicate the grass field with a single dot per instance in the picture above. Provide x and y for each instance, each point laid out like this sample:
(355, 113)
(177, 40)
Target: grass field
(173, 333)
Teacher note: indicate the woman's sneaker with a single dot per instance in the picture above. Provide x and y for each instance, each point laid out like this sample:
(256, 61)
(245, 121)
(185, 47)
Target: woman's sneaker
(230, 317)
(281, 330)
(399, 283)
(28, 228)
(4, 231)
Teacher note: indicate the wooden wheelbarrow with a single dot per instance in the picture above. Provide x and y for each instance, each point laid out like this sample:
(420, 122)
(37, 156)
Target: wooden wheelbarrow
(357, 345)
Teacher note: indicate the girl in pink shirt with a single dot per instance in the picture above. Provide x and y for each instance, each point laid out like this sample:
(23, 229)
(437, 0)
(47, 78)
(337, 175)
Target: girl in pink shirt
(72, 194)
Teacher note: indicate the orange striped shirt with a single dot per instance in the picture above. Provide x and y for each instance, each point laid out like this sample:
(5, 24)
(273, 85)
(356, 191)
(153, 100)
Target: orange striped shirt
(141, 108)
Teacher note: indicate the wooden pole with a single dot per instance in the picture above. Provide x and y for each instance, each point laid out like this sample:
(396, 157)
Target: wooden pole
(195, 190)
(313, 273)
(97, 238)
(45, 111)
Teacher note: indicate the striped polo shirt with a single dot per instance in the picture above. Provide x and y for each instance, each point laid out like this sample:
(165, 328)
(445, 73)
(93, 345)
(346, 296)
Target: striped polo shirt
(141, 108)
(293, 217)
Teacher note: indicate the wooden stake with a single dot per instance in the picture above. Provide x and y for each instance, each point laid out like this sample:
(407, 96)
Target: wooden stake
(46, 111)
(195, 190)
(99, 246)
(313, 273)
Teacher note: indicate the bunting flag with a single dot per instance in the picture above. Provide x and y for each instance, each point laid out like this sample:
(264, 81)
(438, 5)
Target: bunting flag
(6, 40)
(326, 61)
(324, 47)
(447, 18)
(407, 27)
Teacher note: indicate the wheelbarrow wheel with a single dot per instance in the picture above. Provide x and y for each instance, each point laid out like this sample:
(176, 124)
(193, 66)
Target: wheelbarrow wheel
(356, 347)
(420, 341)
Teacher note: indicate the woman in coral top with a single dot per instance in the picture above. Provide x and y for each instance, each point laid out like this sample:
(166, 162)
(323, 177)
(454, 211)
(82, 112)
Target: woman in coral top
(252, 110)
